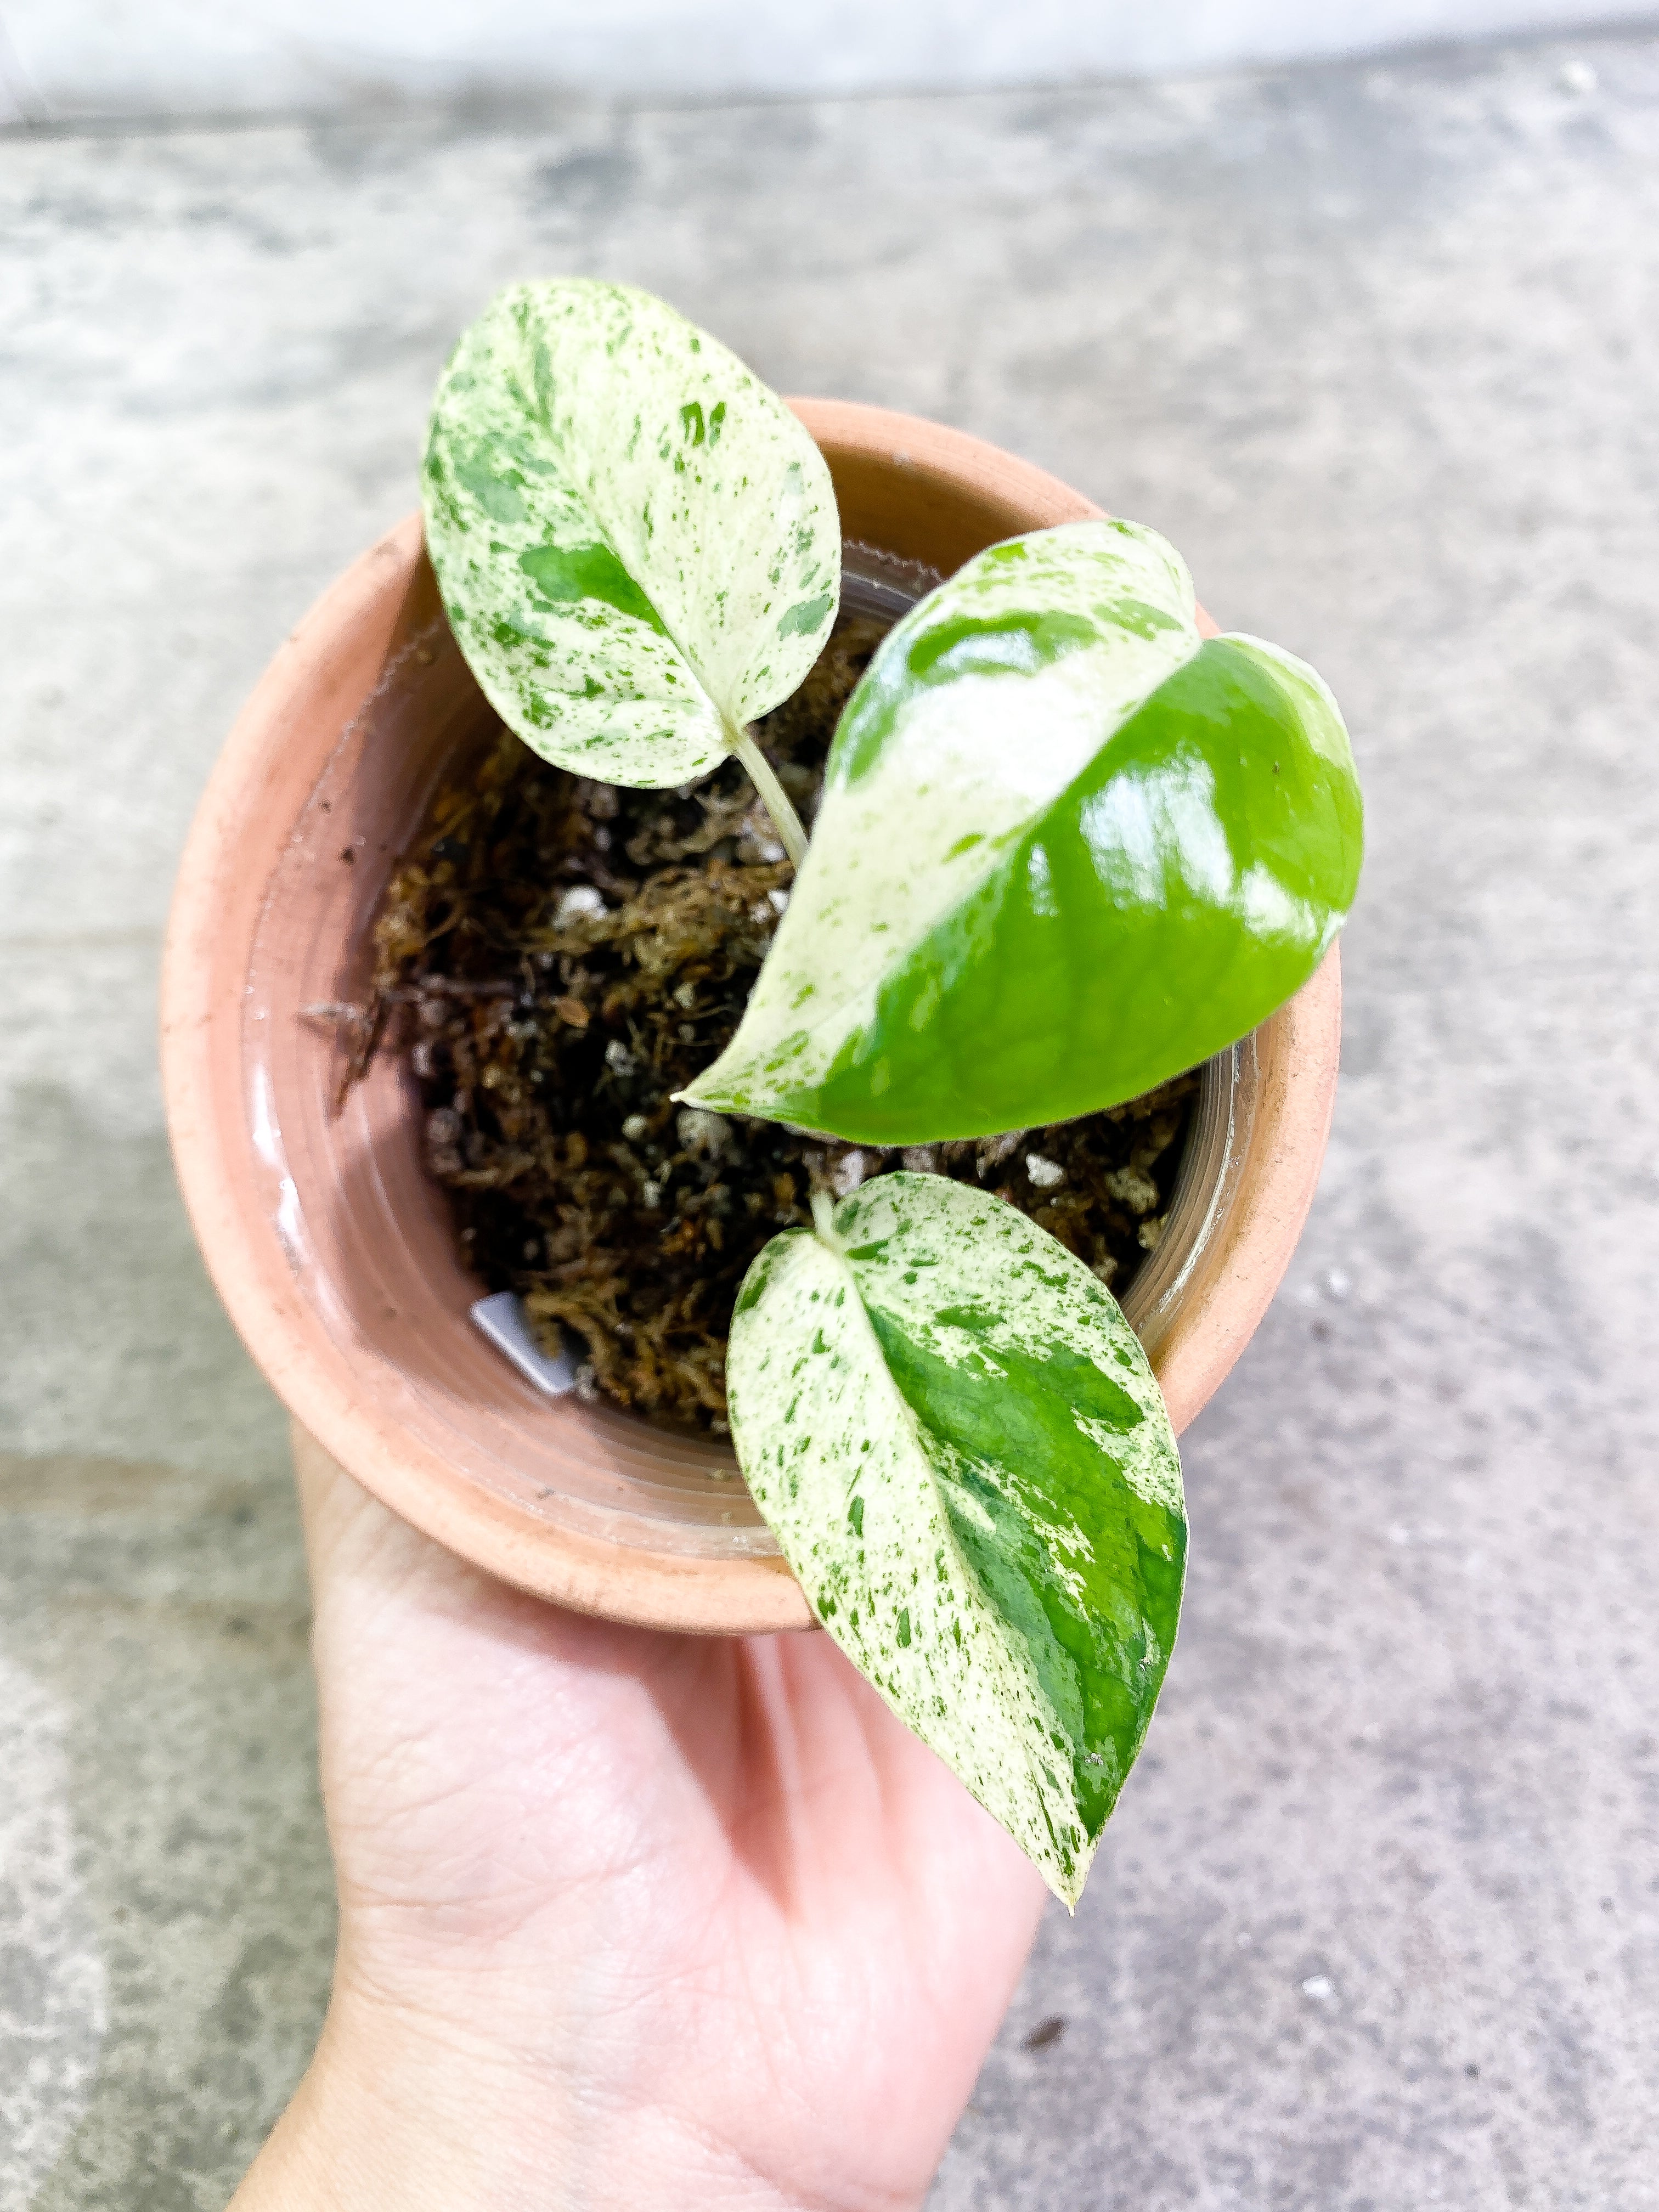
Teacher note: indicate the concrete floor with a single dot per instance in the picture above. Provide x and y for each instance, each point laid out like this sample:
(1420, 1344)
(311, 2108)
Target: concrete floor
(1377, 1925)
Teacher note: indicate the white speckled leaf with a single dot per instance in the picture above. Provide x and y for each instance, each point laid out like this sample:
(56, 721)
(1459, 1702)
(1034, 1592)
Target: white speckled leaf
(958, 1441)
(982, 706)
(636, 541)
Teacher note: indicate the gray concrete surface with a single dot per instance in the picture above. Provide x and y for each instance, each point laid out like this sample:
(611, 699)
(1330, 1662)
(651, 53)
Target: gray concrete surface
(77, 58)
(1376, 1926)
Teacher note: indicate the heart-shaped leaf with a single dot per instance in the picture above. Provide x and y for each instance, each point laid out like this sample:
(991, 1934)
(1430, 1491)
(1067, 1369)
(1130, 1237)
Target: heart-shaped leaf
(636, 541)
(956, 1438)
(1066, 849)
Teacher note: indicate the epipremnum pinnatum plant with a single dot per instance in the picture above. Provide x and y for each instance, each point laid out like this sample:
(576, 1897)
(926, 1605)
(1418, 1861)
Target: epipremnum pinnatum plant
(1066, 847)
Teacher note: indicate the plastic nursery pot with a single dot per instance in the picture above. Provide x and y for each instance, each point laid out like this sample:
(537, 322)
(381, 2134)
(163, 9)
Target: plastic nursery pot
(333, 1250)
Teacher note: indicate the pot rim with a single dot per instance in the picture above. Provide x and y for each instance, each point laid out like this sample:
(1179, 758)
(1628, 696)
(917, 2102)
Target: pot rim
(316, 677)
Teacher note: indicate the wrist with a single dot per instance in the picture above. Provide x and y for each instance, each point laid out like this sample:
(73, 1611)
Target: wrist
(395, 2109)
(390, 2112)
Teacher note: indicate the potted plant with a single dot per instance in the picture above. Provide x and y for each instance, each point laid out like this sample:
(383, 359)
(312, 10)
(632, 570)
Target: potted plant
(1068, 846)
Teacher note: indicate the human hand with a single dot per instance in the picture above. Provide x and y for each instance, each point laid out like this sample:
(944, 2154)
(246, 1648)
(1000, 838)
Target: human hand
(627, 1919)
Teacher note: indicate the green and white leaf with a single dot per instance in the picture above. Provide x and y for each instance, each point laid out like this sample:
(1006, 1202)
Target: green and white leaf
(636, 541)
(1066, 849)
(959, 1443)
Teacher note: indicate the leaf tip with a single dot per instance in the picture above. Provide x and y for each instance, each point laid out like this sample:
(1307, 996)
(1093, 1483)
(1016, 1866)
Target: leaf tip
(1068, 1884)
(698, 1092)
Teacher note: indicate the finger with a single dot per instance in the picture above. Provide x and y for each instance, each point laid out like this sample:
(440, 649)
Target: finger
(337, 1515)
(366, 1561)
(356, 1545)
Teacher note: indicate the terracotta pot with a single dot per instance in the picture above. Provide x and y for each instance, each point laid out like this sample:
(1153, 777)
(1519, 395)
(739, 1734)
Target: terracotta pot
(331, 1249)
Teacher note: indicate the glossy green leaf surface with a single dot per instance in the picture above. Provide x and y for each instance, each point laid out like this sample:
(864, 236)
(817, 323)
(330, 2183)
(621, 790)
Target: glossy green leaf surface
(1066, 849)
(636, 541)
(958, 1441)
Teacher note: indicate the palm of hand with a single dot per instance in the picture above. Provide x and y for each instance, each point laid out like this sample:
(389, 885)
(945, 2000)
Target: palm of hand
(691, 1907)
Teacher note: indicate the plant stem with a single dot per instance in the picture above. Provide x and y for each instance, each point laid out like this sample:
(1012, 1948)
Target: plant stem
(773, 797)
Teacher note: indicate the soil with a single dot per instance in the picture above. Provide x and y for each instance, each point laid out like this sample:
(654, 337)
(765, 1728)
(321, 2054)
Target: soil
(557, 957)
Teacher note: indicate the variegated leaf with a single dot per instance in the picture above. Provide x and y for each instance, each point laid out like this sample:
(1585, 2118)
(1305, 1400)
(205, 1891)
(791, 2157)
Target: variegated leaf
(636, 541)
(1066, 849)
(958, 1441)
